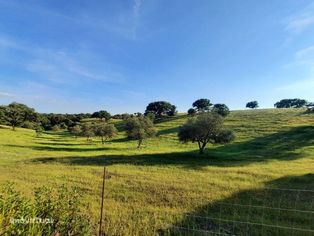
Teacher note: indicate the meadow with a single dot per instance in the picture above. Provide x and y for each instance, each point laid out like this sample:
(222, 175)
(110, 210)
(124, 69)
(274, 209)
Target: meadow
(168, 188)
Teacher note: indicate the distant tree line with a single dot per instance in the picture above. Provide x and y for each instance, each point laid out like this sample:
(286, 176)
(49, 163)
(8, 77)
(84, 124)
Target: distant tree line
(204, 126)
(204, 105)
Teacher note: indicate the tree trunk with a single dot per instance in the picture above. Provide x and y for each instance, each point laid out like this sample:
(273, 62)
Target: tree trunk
(102, 140)
(13, 127)
(140, 141)
(202, 147)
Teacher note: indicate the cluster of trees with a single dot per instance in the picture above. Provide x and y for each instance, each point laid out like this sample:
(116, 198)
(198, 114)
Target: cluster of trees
(204, 105)
(286, 103)
(160, 109)
(102, 129)
(20, 115)
(204, 126)
(291, 103)
(137, 128)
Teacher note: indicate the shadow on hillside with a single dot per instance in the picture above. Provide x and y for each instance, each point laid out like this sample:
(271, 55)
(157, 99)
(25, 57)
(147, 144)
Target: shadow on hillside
(281, 208)
(168, 131)
(62, 144)
(168, 118)
(283, 145)
(65, 149)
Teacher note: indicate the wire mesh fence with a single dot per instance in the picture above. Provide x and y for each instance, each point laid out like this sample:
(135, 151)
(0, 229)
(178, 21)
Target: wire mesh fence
(135, 206)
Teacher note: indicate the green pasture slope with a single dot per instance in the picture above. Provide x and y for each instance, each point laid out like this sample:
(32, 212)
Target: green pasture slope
(167, 188)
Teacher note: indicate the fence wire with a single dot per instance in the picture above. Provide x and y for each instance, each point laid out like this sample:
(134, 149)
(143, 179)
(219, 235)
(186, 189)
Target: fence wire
(136, 206)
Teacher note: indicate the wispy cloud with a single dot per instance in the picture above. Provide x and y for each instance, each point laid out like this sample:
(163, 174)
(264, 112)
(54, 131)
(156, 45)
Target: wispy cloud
(58, 65)
(305, 55)
(136, 14)
(301, 86)
(301, 20)
(298, 25)
(8, 95)
(303, 62)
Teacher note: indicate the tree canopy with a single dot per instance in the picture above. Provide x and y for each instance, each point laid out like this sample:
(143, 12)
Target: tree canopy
(191, 112)
(221, 109)
(252, 104)
(203, 129)
(202, 104)
(17, 113)
(139, 128)
(101, 115)
(105, 131)
(291, 103)
(161, 108)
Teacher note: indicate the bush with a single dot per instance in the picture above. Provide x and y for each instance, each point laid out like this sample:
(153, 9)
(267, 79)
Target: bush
(28, 125)
(58, 212)
(55, 128)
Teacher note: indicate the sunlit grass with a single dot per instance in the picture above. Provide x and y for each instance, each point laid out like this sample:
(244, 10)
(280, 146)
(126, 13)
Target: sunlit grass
(164, 178)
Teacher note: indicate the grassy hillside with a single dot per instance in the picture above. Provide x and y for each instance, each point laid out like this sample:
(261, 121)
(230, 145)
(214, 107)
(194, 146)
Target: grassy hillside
(161, 185)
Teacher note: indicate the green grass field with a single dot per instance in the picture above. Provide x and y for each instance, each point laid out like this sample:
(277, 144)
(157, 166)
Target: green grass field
(168, 188)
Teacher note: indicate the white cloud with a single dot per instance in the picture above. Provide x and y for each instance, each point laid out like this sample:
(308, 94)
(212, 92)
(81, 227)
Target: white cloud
(59, 66)
(300, 21)
(300, 24)
(306, 54)
(300, 86)
(136, 14)
(8, 95)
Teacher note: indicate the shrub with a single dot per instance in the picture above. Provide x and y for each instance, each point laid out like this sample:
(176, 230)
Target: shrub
(28, 125)
(59, 208)
(55, 128)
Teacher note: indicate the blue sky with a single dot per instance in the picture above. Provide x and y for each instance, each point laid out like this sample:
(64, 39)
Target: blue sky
(83, 56)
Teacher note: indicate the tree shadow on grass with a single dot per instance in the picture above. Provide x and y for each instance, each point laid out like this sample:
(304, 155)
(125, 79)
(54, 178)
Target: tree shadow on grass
(283, 145)
(168, 131)
(62, 144)
(284, 207)
(159, 120)
(64, 149)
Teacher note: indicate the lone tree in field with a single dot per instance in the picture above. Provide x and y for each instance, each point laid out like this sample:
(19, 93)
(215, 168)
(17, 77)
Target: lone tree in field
(191, 112)
(88, 131)
(105, 131)
(17, 113)
(202, 105)
(103, 115)
(203, 129)
(252, 104)
(76, 130)
(139, 128)
(161, 108)
(291, 103)
(221, 109)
